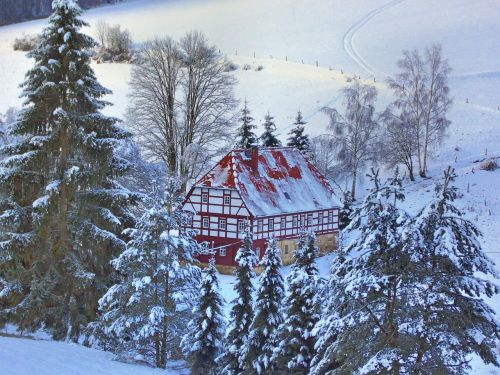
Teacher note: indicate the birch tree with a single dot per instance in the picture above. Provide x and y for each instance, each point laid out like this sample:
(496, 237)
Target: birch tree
(355, 131)
(422, 92)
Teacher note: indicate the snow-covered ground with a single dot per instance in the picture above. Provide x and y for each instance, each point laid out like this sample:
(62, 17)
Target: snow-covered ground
(20, 356)
(288, 37)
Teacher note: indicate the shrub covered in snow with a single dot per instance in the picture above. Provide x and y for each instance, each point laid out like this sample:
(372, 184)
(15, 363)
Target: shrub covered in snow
(26, 42)
(489, 165)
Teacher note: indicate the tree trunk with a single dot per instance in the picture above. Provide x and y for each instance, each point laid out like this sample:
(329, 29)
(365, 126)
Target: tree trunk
(353, 187)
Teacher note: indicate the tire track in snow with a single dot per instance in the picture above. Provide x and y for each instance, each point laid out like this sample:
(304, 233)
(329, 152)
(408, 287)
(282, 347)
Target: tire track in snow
(349, 35)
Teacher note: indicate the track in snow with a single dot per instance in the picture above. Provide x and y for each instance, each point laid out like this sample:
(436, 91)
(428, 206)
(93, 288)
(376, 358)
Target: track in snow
(349, 35)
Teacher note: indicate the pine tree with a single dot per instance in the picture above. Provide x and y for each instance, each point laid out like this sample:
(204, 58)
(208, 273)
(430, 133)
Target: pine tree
(362, 329)
(241, 315)
(246, 137)
(450, 320)
(148, 310)
(205, 338)
(295, 347)
(268, 138)
(334, 299)
(268, 315)
(297, 138)
(346, 210)
(63, 208)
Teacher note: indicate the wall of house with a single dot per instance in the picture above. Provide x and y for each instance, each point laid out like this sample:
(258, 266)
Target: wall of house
(220, 216)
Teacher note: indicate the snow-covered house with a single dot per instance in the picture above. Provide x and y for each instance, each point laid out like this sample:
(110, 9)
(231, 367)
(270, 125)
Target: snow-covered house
(276, 191)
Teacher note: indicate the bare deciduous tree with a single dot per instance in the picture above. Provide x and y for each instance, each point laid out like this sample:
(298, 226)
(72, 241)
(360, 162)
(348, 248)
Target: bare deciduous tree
(355, 131)
(152, 113)
(181, 103)
(422, 90)
(208, 101)
(101, 30)
(399, 140)
(322, 155)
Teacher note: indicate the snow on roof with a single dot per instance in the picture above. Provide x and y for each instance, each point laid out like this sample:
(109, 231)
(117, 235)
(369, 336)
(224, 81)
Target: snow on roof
(286, 181)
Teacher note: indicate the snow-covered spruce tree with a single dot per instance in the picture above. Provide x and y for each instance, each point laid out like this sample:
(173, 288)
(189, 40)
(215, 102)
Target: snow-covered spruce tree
(64, 207)
(295, 341)
(450, 320)
(246, 138)
(362, 329)
(268, 315)
(333, 296)
(148, 310)
(298, 138)
(268, 138)
(346, 210)
(241, 315)
(204, 341)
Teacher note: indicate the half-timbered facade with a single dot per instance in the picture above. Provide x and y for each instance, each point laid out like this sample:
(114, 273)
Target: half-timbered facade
(276, 191)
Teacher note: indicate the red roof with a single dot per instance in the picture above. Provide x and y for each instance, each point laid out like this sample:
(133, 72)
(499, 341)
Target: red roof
(280, 180)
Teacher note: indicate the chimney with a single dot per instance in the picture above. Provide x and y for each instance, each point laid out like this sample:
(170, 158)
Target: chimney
(254, 160)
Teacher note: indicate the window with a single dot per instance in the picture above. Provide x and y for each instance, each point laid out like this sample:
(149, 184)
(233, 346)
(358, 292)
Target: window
(271, 224)
(309, 219)
(283, 223)
(259, 225)
(330, 216)
(222, 224)
(257, 252)
(204, 198)
(206, 222)
(301, 221)
(241, 225)
(227, 200)
(320, 218)
(222, 251)
(294, 222)
(286, 249)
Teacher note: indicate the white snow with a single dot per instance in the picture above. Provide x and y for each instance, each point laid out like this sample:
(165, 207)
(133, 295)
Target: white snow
(25, 356)
(363, 37)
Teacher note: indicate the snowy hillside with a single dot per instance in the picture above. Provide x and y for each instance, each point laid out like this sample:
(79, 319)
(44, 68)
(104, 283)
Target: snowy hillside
(50, 358)
(288, 38)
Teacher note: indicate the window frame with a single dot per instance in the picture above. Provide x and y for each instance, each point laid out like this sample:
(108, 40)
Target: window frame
(221, 221)
(241, 225)
(309, 220)
(207, 218)
(227, 200)
(204, 197)
(271, 224)
(223, 251)
(260, 226)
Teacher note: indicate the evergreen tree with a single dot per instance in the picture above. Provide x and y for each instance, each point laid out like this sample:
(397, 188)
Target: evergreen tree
(246, 137)
(362, 329)
(268, 138)
(295, 340)
(333, 301)
(346, 210)
(297, 138)
(450, 320)
(268, 317)
(241, 315)
(205, 338)
(63, 208)
(148, 310)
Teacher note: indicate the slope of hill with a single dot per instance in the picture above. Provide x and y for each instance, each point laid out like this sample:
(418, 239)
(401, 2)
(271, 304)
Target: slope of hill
(362, 37)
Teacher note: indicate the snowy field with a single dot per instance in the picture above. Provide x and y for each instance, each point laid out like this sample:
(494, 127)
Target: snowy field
(363, 37)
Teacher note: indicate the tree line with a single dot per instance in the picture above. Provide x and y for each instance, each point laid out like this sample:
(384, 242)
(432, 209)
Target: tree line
(13, 11)
(403, 297)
